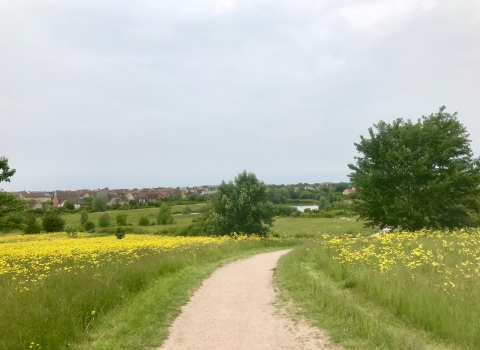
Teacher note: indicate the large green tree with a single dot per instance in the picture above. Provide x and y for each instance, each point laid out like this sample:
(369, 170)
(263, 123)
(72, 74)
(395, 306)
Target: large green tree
(5, 172)
(11, 208)
(417, 175)
(241, 206)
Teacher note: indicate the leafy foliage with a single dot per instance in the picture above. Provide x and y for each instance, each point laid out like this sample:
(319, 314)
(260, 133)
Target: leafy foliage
(83, 217)
(31, 225)
(52, 222)
(121, 219)
(11, 209)
(417, 175)
(68, 205)
(165, 216)
(89, 226)
(143, 221)
(6, 173)
(99, 202)
(241, 206)
(104, 220)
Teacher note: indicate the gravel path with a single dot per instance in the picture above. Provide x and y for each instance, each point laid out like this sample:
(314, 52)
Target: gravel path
(233, 310)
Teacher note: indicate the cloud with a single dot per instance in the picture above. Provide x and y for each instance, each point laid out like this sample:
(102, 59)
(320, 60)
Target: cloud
(96, 94)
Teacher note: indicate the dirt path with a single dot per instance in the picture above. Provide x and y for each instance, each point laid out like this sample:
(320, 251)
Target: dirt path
(233, 310)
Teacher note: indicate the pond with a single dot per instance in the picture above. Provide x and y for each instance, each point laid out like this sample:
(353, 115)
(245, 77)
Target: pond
(303, 207)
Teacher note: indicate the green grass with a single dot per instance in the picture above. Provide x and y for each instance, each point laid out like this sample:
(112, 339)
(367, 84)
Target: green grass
(399, 291)
(134, 300)
(315, 227)
(134, 215)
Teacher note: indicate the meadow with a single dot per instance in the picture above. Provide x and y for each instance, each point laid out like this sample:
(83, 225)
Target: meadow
(397, 291)
(60, 292)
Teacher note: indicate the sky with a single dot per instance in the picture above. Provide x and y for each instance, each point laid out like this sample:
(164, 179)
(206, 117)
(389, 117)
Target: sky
(121, 94)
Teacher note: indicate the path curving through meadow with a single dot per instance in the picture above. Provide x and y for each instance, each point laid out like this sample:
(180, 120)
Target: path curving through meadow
(233, 309)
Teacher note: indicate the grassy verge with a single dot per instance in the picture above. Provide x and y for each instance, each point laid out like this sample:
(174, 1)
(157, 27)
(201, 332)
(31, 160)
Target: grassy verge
(405, 291)
(122, 296)
(316, 227)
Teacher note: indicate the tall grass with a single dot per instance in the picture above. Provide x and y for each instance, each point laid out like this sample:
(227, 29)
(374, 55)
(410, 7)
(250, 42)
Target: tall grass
(424, 284)
(62, 309)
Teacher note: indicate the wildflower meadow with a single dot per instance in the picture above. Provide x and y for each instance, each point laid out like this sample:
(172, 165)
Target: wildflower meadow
(427, 284)
(56, 290)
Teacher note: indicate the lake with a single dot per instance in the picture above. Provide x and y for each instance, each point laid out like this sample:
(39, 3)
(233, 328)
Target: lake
(303, 207)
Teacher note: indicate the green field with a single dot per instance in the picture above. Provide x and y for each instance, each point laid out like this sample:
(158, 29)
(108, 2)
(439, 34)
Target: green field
(134, 215)
(283, 226)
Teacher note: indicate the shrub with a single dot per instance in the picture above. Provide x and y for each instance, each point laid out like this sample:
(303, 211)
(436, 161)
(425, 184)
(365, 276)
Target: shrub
(285, 210)
(72, 231)
(120, 232)
(104, 220)
(186, 209)
(52, 222)
(83, 217)
(121, 219)
(89, 226)
(32, 226)
(164, 216)
(143, 221)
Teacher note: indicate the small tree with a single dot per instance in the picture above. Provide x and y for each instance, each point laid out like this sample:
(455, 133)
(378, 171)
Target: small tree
(322, 203)
(104, 220)
(83, 217)
(241, 206)
(100, 202)
(11, 211)
(417, 175)
(143, 221)
(31, 225)
(68, 205)
(121, 219)
(89, 226)
(164, 216)
(52, 222)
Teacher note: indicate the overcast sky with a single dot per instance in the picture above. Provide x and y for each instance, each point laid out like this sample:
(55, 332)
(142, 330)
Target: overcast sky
(178, 93)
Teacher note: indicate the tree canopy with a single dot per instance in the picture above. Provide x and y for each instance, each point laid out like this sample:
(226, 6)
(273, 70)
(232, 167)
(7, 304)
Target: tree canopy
(5, 172)
(241, 206)
(417, 175)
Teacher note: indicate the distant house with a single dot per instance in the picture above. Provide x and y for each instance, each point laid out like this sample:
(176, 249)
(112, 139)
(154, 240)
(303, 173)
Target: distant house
(349, 191)
(38, 196)
(209, 192)
(34, 204)
(77, 202)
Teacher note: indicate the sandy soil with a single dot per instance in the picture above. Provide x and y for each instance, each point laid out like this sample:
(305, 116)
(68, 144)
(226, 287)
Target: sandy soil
(233, 309)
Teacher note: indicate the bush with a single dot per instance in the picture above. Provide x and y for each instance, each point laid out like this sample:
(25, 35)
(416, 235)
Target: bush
(32, 226)
(164, 216)
(186, 209)
(72, 231)
(104, 220)
(83, 217)
(285, 210)
(143, 221)
(52, 222)
(89, 226)
(120, 232)
(121, 219)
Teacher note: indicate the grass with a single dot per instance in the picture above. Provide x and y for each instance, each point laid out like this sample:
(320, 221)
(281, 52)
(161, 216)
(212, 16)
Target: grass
(316, 227)
(134, 215)
(398, 291)
(103, 293)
